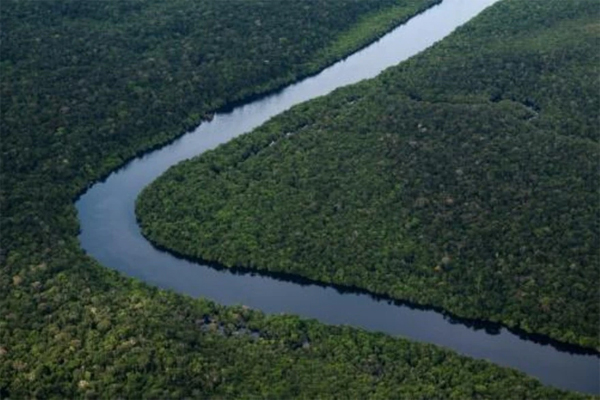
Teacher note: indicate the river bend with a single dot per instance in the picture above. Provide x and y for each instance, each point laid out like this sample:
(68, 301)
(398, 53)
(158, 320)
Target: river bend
(110, 234)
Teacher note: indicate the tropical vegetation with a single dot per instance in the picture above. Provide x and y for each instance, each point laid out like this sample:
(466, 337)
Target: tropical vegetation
(465, 178)
(86, 85)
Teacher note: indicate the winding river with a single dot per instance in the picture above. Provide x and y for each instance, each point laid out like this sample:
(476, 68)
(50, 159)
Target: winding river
(110, 234)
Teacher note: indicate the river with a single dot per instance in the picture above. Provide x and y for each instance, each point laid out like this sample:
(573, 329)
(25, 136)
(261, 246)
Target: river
(110, 234)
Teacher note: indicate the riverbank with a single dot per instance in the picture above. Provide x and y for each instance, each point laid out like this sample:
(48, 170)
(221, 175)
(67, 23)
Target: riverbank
(385, 163)
(108, 208)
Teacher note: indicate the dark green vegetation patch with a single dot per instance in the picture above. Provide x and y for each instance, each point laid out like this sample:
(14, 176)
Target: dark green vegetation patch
(85, 85)
(466, 178)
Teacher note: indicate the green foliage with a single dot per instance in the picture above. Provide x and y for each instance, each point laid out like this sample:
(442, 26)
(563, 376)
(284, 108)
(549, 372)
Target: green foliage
(465, 178)
(84, 86)
(94, 334)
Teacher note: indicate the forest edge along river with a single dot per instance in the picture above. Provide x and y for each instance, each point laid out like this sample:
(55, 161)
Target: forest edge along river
(110, 233)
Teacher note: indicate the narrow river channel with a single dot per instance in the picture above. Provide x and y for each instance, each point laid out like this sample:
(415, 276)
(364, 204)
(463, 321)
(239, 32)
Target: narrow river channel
(110, 234)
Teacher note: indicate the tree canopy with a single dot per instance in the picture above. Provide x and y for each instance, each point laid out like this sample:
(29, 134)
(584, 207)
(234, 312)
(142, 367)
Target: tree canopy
(465, 178)
(86, 85)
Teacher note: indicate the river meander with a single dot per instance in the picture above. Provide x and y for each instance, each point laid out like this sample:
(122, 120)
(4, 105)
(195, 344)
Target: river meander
(110, 234)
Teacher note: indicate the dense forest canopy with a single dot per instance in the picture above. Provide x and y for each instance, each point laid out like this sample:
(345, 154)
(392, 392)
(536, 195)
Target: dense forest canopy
(465, 178)
(85, 85)
(88, 84)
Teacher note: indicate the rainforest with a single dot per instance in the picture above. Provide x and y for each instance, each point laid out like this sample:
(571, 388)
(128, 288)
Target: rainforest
(465, 178)
(399, 186)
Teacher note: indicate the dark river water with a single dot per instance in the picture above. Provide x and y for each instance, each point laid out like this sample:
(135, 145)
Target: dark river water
(110, 234)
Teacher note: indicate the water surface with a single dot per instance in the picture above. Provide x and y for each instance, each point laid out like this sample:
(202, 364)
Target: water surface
(110, 234)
